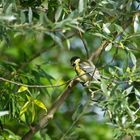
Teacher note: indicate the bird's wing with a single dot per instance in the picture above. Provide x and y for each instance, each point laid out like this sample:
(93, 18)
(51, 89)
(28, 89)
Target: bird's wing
(90, 69)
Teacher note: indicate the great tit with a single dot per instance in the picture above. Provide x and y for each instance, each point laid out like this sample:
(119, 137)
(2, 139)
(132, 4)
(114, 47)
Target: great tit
(85, 70)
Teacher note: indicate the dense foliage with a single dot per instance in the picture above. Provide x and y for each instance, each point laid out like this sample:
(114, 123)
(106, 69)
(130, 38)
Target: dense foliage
(37, 40)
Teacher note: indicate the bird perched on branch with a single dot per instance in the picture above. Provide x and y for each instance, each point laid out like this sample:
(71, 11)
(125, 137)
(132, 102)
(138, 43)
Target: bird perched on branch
(85, 70)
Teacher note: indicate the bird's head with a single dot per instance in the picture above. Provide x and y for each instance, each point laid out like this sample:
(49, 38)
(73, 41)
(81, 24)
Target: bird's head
(74, 60)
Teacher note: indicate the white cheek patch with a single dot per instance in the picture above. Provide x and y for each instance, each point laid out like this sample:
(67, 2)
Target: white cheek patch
(77, 61)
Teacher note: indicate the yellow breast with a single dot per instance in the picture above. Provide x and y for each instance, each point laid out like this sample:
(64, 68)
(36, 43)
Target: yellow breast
(82, 75)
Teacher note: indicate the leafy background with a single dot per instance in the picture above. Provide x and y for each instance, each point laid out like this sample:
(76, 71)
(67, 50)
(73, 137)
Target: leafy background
(37, 40)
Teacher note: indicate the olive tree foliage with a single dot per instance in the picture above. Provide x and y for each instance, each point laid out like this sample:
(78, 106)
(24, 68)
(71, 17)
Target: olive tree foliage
(37, 40)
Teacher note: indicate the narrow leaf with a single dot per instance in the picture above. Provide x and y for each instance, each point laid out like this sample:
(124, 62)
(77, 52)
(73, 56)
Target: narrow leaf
(128, 90)
(8, 18)
(118, 28)
(40, 104)
(3, 113)
(136, 24)
(108, 48)
(9, 9)
(58, 13)
(30, 15)
(22, 88)
(106, 29)
(137, 93)
(99, 35)
(133, 58)
(81, 6)
(24, 108)
(55, 38)
(22, 117)
(104, 87)
(33, 112)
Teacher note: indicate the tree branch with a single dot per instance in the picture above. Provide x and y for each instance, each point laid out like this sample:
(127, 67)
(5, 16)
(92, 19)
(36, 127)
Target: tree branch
(55, 106)
(98, 51)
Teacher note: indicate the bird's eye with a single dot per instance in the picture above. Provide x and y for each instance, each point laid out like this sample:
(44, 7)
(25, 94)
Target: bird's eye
(73, 64)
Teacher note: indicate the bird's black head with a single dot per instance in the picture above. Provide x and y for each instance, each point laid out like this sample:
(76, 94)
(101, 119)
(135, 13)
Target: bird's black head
(73, 59)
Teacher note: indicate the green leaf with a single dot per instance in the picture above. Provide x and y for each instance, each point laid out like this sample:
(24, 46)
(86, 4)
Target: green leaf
(104, 87)
(137, 92)
(24, 108)
(40, 104)
(55, 38)
(9, 9)
(109, 46)
(68, 43)
(22, 17)
(133, 58)
(118, 28)
(3, 113)
(30, 15)
(81, 6)
(33, 112)
(106, 28)
(58, 13)
(99, 35)
(28, 97)
(136, 24)
(133, 36)
(22, 88)
(23, 117)
(128, 90)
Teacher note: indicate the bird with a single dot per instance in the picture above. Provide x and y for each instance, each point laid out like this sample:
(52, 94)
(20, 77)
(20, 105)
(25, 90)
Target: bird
(86, 70)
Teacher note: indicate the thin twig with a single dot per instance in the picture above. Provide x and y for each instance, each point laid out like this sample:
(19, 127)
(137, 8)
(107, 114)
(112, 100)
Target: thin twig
(33, 86)
(98, 51)
(84, 43)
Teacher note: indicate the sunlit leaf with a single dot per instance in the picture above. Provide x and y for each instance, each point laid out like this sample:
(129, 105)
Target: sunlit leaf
(108, 48)
(8, 18)
(128, 90)
(33, 112)
(58, 13)
(23, 88)
(40, 104)
(133, 58)
(28, 97)
(134, 35)
(22, 16)
(68, 43)
(100, 35)
(30, 15)
(81, 6)
(137, 92)
(9, 9)
(136, 24)
(25, 107)
(104, 87)
(106, 28)
(23, 117)
(3, 113)
(118, 28)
